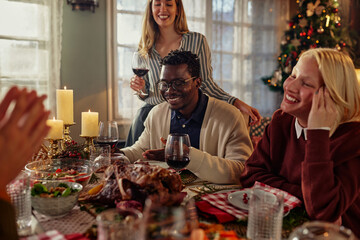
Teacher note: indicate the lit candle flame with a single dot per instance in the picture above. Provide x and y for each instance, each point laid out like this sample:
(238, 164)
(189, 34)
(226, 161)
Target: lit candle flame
(89, 110)
(53, 118)
(64, 87)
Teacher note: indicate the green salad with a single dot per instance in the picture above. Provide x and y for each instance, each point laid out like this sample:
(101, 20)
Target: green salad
(62, 190)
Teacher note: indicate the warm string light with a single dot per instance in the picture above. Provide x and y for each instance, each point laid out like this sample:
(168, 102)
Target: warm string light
(327, 20)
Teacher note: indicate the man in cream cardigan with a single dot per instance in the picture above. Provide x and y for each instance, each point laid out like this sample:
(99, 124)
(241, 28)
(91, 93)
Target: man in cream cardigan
(218, 133)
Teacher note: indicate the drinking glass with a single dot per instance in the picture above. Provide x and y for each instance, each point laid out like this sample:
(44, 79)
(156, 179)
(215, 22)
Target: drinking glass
(120, 224)
(265, 215)
(320, 230)
(19, 192)
(100, 156)
(177, 150)
(119, 158)
(140, 67)
(108, 133)
(169, 222)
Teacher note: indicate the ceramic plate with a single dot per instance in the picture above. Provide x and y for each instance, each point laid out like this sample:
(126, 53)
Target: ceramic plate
(240, 199)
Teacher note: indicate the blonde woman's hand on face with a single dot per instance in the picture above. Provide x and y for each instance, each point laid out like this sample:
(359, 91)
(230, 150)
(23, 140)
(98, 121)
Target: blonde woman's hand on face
(252, 112)
(22, 131)
(323, 112)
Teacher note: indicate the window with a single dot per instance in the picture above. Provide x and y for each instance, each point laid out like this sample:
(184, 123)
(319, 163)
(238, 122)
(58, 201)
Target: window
(30, 46)
(243, 35)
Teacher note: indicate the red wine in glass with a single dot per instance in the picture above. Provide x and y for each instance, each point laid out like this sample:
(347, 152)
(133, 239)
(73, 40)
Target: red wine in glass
(140, 72)
(110, 142)
(177, 150)
(140, 66)
(177, 163)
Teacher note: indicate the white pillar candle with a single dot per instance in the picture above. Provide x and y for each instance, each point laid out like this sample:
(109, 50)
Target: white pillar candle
(89, 124)
(65, 105)
(56, 129)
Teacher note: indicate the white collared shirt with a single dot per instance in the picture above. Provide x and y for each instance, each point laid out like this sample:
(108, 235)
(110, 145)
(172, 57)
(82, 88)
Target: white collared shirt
(299, 129)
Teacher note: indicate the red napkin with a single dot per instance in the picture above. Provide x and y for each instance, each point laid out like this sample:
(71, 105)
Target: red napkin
(207, 209)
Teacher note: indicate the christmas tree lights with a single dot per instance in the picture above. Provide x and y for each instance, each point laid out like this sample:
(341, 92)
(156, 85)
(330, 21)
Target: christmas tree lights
(316, 24)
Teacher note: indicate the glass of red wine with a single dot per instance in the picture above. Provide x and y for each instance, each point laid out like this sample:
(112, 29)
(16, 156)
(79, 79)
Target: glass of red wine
(140, 67)
(108, 133)
(177, 151)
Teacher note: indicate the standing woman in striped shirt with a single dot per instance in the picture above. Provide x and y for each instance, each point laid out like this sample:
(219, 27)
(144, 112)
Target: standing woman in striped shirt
(164, 29)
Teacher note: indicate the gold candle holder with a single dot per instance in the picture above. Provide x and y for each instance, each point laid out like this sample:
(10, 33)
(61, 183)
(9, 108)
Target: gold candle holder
(53, 149)
(67, 138)
(89, 143)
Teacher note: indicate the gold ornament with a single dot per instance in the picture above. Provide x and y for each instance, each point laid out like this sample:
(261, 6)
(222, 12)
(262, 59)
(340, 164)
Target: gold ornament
(303, 22)
(288, 69)
(311, 8)
(295, 42)
(320, 30)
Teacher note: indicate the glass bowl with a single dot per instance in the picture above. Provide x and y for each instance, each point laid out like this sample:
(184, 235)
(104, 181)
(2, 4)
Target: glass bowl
(56, 206)
(65, 169)
(119, 158)
(321, 230)
(120, 224)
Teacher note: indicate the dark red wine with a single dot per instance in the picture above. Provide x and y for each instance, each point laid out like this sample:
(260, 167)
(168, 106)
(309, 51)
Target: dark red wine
(112, 143)
(177, 163)
(140, 71)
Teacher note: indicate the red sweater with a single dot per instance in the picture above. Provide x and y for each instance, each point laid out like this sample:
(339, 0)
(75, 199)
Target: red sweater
(323, 172)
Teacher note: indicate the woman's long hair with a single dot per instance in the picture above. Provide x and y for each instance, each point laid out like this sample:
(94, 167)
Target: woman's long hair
(150, 29)
(338, 72)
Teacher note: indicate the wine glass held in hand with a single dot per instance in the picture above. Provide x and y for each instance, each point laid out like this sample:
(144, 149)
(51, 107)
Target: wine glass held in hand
(177, 151)
(140, 67)
(108, 133)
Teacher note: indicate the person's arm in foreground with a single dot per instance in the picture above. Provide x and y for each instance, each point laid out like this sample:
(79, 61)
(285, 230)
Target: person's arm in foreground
(21, 133)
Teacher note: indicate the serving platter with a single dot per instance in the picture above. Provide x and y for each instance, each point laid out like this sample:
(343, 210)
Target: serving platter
(240, 199)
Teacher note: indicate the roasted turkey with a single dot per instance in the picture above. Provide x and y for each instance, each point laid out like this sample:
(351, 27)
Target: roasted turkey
(138, 181)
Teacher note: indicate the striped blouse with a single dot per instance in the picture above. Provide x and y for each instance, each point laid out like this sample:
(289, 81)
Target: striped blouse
(197, 44)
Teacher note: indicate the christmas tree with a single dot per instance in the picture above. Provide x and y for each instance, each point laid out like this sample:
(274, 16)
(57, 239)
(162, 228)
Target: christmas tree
(316, 24)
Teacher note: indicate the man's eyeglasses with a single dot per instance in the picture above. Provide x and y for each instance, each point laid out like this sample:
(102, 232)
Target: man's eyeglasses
(176, 84)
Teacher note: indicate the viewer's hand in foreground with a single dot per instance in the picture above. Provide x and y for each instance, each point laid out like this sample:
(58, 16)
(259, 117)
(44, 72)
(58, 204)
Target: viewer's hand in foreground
(323, 112)
(252, 112)
(21, 131)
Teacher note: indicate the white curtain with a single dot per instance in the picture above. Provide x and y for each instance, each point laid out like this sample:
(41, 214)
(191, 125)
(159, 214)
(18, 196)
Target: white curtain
(30, 46)
(244, 37)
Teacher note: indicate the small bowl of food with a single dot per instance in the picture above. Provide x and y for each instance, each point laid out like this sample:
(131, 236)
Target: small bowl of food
(54, 198)
(65, 170)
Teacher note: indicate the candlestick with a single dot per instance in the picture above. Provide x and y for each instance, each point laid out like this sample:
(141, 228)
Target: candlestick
(53, 148)
(65, 105)
(89, 143)
(89, 124)
(67, 137)
(56, 128)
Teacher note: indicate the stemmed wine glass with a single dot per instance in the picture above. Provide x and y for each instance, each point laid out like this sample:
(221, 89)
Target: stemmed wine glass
(108, 133)
(140, 67)
(177, 150)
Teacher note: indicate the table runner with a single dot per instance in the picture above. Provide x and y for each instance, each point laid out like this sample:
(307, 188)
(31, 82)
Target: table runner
(76, 221)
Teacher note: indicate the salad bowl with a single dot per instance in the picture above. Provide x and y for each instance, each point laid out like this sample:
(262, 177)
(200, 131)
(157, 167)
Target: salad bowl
(64, 169)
